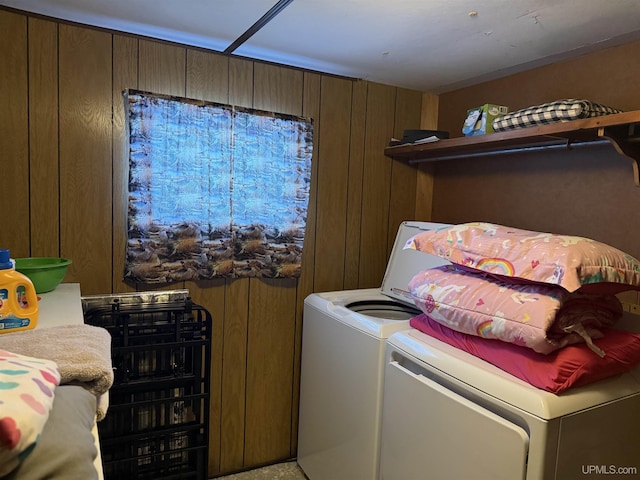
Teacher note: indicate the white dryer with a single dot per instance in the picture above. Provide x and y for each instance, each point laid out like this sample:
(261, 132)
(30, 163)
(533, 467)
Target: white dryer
(343, 356)
(450, 415)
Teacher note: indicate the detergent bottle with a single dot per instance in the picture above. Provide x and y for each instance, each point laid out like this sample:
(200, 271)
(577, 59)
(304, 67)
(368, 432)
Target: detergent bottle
(18, 299)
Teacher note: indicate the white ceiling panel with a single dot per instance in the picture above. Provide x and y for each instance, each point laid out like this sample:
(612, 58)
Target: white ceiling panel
(427, 45)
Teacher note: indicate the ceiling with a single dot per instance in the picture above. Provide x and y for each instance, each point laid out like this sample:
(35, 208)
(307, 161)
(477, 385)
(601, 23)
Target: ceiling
(428, 45)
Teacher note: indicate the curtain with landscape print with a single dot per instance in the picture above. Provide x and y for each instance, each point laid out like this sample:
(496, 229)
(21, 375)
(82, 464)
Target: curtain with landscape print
(214, 190)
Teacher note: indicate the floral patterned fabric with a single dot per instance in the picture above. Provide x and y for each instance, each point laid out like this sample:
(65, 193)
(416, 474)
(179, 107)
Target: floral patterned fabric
(27, 388)
(568, 261)
(214, 190)
(544, 318)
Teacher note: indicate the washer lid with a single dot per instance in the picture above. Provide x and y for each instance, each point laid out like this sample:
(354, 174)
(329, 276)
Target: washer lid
(404, 264)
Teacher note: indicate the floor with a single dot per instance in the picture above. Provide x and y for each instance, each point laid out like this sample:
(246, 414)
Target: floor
(280, 471)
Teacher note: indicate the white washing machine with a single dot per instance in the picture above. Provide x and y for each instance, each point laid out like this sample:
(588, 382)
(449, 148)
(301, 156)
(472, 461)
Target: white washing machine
(343, 356)
(450, 415)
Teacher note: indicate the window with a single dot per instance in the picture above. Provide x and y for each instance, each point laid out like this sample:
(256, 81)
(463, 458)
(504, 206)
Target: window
(214, 190)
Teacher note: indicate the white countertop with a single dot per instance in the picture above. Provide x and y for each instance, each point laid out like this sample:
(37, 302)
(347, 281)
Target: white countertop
(62, 306)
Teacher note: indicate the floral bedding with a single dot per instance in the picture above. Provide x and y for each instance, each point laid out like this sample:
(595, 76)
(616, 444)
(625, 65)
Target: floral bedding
(572, 262)
(541, 317)
(27, 387)
(535, 289)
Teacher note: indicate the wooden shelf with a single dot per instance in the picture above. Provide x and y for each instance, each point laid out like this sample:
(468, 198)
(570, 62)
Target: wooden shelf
(622, 130)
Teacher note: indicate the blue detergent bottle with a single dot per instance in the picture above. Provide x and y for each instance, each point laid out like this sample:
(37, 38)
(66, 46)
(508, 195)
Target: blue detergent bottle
(18, 298)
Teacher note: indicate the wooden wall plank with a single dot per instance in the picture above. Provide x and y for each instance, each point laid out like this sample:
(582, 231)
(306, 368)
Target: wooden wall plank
(429, 114)
(43, 142)
(311, 109)
(162, 68)
(269, 370)
(402, 204)
(85, 156)
(333, 177)
(277, 89)
(125, 76)
(234, 376)
(356, 171)
(376, 185)
(207, 76)
(211, 295)
(240, 82)
(408, 111)
(424, 190)
(14, 146)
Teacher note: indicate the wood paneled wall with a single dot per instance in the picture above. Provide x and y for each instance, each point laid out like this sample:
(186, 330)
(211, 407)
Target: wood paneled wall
(64, 161)
(582, 191)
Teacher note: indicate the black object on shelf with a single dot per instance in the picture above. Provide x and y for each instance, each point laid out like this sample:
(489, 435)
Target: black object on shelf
(157, 424)
(415, 136)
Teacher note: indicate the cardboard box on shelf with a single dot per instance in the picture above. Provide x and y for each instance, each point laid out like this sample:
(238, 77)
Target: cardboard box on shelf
(479, 120)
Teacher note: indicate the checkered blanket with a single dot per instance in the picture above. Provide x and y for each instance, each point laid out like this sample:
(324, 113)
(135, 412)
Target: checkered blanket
(553, 112)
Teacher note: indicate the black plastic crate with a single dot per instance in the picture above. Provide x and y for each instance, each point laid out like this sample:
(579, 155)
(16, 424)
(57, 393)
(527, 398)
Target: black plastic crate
(139, 362)
(152, 411)
(177, 454)
(157, 423)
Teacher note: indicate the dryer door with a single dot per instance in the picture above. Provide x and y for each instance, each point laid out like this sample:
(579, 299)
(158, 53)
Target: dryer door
(430, 432)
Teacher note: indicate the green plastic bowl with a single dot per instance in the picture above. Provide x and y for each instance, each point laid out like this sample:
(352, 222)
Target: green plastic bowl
(45, 273)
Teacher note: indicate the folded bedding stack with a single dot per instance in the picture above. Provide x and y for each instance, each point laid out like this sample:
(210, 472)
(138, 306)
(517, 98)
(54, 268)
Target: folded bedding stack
(564, 110)
(28, 386)
(541, 295)
(33, 365)
(81, 352)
